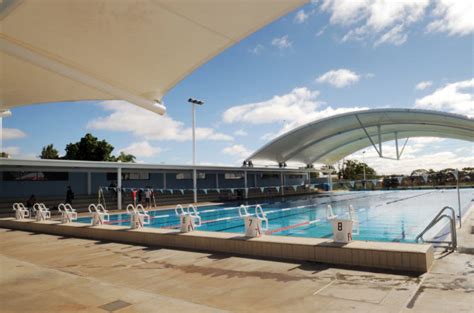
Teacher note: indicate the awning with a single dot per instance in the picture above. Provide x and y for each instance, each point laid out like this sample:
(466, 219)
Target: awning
(133, 50)
(329, 140)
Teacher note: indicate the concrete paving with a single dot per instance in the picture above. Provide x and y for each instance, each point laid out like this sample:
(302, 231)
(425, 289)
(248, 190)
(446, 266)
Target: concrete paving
(46, 273)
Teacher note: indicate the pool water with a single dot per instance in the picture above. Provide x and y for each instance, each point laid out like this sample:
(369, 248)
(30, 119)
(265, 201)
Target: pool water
(397, 216)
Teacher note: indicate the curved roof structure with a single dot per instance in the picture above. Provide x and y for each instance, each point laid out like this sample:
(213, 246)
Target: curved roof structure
(329, 140)
(134, 50)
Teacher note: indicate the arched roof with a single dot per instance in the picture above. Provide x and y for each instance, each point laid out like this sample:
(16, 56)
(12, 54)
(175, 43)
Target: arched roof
(330, 139)
(133, 50)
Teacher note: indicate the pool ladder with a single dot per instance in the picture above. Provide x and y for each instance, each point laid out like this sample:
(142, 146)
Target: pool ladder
(451, 216)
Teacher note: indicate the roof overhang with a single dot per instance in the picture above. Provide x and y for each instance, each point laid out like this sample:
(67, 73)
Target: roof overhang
(82, 166)
(133, 50)
(329, 140)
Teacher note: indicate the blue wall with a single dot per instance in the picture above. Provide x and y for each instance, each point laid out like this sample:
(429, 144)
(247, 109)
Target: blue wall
(78, 182)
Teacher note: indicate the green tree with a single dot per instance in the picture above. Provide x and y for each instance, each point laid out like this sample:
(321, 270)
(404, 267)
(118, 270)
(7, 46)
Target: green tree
(49, 152)
(123, 157)
(354, 169)
(89, 148)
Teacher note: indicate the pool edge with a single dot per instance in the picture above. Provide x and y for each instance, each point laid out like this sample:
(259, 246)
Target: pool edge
(406, 257)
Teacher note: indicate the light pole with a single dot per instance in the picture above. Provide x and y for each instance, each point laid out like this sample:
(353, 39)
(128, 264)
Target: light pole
(194, 102)
(363, 161)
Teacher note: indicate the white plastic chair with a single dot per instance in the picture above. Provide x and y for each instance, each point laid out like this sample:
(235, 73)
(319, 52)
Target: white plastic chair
(20, 211)
(68, 214)
(42, 213)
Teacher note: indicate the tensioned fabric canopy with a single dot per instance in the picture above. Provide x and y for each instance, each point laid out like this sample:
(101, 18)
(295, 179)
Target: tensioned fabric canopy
(329, 140)
(134, 50)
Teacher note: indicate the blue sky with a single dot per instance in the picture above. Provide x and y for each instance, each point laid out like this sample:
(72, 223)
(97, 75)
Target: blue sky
(325, 58)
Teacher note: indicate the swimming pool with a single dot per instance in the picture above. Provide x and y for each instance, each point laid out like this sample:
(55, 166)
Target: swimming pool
(397, 216)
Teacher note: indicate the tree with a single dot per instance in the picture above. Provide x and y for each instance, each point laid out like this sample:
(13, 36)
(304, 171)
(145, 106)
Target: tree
(49, 152)
(125, 158)
(89, 148)
(354, 169)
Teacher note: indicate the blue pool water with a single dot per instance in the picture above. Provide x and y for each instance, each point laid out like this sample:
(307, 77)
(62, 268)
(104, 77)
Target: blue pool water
(383, 215)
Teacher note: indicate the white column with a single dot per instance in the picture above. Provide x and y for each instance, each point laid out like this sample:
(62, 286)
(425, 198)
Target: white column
(282, 184)
(217, 180)
(119, 188)
(330, 180)
(89, 183)
(246, 190)
(1, 134)
(194, 154)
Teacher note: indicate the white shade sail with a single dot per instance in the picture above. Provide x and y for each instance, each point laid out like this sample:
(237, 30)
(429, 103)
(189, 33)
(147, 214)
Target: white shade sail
(329, 140)
(134, 50)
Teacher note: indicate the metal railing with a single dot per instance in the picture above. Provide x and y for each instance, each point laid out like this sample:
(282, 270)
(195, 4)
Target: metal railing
(452, 244)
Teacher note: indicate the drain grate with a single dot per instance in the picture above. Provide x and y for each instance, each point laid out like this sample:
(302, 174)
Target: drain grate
(115, 305)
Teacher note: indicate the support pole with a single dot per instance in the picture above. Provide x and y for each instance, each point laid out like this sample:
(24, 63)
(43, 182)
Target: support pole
(119, 188)
(459, 197)
(194, 154)
(380, 140)
(217, 180)
(396, 145)
(164, 180)
(330, 181)
(282, 184)
(246, 190)
(89, 183)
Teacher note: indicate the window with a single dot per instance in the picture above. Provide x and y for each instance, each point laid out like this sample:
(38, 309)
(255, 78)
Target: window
(269, 176)
(189, 175)
(130, 176)
(234, 175)
(136, 176)
(35, 176)
(295, 176)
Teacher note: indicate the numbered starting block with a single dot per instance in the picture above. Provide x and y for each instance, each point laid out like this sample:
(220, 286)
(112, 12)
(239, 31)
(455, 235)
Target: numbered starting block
(99, 214)
(343, 229)
(189, 219)
(139, 217)
(20, 211)
(254, 223)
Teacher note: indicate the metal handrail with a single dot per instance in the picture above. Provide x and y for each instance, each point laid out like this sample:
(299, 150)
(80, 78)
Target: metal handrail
(452, 244)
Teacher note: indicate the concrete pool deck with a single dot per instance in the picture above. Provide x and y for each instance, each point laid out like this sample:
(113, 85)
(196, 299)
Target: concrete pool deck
(406, 257)
(49, 273)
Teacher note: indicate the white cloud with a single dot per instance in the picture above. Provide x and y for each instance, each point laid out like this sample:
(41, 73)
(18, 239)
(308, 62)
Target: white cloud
(455, 17)
(339, 78)
(257, 50)
(321, 31)
(237, 151)
(370, 18)
(142, 149)
(12, 133)
(12, 151)
(281, 42)
(298, 107)
(423, 85)
(240, 132)
(300, 102)
(456, 97)
(301, 17)
(395, 36)
(125, 117)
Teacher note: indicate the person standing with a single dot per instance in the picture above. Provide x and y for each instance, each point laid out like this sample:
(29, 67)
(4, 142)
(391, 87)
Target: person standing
(69, 195)
(148, 197)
